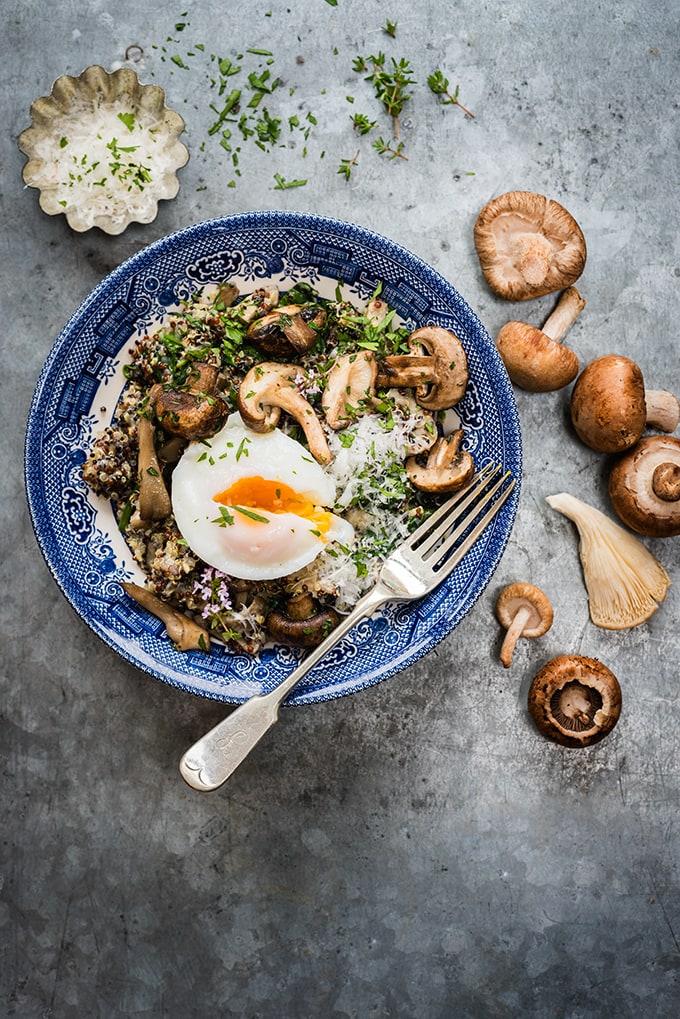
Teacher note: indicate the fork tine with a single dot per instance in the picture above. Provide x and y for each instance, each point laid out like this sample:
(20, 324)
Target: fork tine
(443, 565)
(455, 511)
(459, 499)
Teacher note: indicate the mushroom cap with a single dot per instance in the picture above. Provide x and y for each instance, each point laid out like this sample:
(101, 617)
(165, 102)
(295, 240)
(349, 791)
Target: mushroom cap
(529, 597)
(303, 622)
(437, 368)
(644, 486)
(266, 390)
(608, 407)
(193, 411)
(287, 330)
(451, 367)
(575, 700)
(528, 245)
(534, 361)
(447, 467)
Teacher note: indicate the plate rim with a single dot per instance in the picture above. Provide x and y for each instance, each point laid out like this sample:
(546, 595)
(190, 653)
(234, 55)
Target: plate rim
(36, 500)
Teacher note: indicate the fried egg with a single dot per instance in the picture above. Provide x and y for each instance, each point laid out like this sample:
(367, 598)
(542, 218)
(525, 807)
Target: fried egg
(254, 505)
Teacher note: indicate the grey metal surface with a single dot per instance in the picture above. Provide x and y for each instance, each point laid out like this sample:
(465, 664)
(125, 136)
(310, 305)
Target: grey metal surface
(416, 850)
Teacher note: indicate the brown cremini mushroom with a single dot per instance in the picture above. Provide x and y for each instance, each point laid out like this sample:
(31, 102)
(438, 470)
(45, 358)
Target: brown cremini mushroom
(525, 611)
(303, 622)
(288, 330)
(350, 387)
(536, 359)
(610, 406)
(447, 466)
(185, 633)
(644, 486)
(195, 411)
(528, 245)
(437, 368)
(154, 500)
(575, 700)
(270, 387)
(625, 582)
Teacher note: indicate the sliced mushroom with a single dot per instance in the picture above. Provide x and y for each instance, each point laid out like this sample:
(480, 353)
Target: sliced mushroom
(528, 245)
(437, 368)
(288, 330)
(447, 467)
(536, 359)
(525, 611)
(185, 633)
(270, 387)
(610, 406)
(350, 387)
(303, 623)
(625, 582)
(154, 500)
(575, 700)
(644, 486)
(195, 411)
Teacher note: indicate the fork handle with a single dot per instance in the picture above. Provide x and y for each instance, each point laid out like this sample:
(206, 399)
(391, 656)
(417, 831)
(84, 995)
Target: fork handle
(214, 757)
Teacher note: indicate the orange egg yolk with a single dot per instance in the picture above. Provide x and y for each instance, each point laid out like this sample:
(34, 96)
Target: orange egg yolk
(257, 493)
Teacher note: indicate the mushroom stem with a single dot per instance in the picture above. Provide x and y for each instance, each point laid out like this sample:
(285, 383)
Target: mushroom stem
(663, 410)
(666, 482)
(565, 313)
(154, 501)
(184, 632)
(513, 634)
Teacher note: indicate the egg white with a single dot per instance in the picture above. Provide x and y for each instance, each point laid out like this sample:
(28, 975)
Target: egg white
(230, 539)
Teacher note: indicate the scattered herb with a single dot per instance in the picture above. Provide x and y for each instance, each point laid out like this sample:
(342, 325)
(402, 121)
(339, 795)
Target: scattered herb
(390, 28)
(439, 85)
(282, 184)
(362, 124)
(392, 151)
(347, 165)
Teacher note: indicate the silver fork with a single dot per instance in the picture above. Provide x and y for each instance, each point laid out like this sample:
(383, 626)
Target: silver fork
(414, 569)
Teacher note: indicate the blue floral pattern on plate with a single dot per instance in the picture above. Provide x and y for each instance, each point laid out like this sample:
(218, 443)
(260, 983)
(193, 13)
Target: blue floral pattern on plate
(79, 385)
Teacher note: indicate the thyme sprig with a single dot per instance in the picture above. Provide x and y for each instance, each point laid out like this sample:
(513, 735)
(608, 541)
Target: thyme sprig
(439, 85)
(390, 84)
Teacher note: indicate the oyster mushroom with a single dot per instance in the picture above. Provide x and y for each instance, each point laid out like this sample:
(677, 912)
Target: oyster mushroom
(575, 700)
(288, 330)
(625, 582)
(185, 633)
(536, 359)
(350, 387)
(194, 411)
(154, 500)
(644, 486)
(610, 406)
(447, 467)
(266, 390)
(303, 623)
(528, 245)
(437, 368)
(525, 611)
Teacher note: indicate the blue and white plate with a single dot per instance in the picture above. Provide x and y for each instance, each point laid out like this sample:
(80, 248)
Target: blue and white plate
(82, 379)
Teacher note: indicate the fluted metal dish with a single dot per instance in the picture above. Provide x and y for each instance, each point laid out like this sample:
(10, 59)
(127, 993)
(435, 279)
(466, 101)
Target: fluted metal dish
(98, 177)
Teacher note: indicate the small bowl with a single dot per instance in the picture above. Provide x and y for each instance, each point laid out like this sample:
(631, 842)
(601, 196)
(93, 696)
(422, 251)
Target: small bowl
(103, 150)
